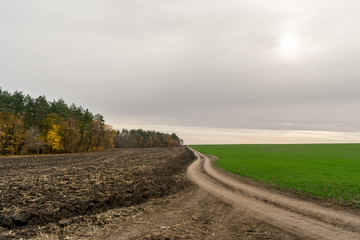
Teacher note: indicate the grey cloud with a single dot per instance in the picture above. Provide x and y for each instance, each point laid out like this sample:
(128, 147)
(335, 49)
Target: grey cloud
(189, 63)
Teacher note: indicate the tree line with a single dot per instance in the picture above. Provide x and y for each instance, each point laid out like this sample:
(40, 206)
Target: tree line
(35, 125)
(142, 139)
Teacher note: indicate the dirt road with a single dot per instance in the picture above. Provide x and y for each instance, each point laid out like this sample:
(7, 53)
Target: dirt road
(304, 219)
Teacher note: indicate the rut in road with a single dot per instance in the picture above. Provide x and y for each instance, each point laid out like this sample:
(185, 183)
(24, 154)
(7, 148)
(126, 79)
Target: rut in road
(302, 218)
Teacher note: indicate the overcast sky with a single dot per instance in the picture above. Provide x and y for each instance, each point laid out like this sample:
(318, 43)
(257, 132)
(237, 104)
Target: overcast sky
(212, 71)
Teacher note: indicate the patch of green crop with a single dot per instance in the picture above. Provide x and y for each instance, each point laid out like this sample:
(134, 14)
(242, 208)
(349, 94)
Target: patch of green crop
(328, 171)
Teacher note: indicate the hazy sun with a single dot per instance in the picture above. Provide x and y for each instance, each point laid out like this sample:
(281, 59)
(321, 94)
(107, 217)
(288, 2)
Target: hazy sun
(288, 42)
(289, 47)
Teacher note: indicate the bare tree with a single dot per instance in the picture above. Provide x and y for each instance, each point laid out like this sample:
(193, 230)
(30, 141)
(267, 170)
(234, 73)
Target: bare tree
(32, 143)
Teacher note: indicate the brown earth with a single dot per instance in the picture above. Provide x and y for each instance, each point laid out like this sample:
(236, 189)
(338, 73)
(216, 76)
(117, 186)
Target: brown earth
(37, 191)
(125, 194)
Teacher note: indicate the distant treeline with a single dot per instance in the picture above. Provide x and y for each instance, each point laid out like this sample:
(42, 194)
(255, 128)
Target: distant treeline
(141, 138)
(29, 125)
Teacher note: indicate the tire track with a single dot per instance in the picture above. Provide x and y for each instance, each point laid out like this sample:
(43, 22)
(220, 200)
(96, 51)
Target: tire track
(302, 218)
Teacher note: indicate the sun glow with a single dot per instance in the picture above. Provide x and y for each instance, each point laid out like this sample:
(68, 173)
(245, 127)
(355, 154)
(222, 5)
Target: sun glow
(289, 46)
(288, 42)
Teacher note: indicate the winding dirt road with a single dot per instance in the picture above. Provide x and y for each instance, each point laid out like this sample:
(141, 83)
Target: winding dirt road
(304, 219)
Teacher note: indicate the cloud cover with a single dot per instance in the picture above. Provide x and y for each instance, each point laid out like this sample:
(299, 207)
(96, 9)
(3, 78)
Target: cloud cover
(204, 63)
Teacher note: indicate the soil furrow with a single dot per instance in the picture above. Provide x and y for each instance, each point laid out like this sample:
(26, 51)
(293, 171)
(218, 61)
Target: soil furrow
(50, 192)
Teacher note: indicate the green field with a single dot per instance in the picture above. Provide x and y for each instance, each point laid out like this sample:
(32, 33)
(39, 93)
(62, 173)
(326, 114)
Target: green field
(329, 171)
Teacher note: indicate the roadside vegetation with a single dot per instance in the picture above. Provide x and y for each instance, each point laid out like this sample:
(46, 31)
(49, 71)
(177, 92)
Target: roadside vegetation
(35, 125)
(327, 171)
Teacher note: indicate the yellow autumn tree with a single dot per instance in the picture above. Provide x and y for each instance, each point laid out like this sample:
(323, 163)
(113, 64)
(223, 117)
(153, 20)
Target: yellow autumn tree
(109, 135)
(2, 132)
(53, 137)
(97, 136)
(12, 132)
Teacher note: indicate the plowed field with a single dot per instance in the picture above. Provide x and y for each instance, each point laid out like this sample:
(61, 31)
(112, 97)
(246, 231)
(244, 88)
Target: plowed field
(41, 193)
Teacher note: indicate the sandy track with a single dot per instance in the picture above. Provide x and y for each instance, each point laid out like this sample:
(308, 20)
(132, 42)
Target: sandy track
(307, 220)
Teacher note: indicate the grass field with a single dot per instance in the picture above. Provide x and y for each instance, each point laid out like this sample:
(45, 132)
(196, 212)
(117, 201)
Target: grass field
(330, 171)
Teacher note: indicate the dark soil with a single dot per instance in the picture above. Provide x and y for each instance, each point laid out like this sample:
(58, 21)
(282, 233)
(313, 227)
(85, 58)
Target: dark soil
(40, 192)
